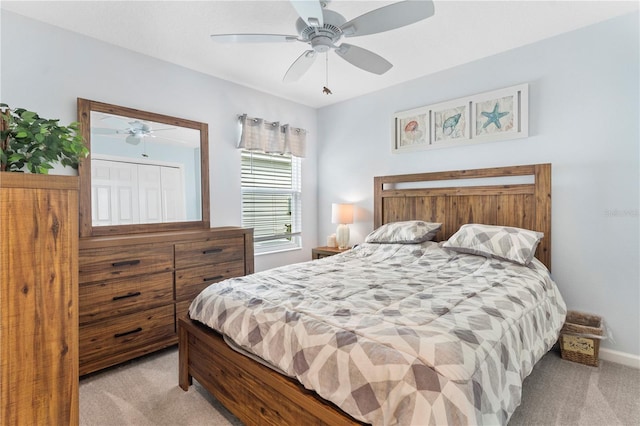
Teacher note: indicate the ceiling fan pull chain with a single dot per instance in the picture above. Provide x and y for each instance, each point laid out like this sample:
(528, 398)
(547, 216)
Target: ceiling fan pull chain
(326, 89)
(326, 65)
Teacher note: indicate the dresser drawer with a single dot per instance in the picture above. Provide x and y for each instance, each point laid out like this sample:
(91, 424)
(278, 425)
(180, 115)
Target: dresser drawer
(146, 330)
(116, 262)
(191, 281)
(106, 299)
(199, 253)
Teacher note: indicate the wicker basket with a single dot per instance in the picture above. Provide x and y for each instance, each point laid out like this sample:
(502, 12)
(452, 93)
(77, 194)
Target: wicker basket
(580, 338)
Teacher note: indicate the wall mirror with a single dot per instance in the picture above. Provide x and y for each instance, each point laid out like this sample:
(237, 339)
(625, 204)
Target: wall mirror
(146, 172)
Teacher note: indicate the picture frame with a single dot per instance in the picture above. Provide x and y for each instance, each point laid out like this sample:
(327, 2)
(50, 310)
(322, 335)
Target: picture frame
(501, 114)
(411, 130)
(486, 117)
(451, 122)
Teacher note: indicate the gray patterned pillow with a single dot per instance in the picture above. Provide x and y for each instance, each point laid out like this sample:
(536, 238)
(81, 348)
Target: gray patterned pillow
(503, 242)
(408, 232)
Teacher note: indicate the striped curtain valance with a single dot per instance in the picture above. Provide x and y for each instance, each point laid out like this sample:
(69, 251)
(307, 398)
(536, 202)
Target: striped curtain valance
(257, 134)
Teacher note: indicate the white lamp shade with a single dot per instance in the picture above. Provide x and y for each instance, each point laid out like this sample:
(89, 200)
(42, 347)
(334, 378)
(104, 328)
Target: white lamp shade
(341, 213)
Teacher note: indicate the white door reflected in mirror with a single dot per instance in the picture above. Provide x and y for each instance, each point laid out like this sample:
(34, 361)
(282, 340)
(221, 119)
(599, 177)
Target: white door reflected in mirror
(143, 172)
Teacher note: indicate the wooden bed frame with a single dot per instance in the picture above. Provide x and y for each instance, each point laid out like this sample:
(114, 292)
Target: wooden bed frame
(257, 394)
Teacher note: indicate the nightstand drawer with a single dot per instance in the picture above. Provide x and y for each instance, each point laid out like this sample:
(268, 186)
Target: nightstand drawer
(117, 262)
(207, 252)
(123, 334)
(191, 281)
(105, 299)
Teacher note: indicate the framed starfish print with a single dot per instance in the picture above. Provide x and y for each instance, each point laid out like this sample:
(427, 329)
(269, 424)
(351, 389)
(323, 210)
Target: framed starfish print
(500, 114)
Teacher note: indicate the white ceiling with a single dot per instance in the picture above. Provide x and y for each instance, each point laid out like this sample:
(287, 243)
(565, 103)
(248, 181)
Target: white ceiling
(178, 32)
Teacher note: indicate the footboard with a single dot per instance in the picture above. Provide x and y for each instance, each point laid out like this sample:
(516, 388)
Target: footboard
(251, 391)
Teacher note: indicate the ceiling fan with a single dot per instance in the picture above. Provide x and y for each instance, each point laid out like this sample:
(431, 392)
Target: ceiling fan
(136, 131)
(322, 29)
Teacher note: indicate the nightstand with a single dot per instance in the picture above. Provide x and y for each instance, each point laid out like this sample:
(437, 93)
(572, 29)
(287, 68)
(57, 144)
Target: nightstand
(320, 252)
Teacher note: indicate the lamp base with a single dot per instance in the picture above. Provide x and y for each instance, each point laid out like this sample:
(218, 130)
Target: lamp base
(342, 236)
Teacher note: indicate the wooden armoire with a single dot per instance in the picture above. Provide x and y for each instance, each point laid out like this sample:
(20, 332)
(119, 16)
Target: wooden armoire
(38, 299)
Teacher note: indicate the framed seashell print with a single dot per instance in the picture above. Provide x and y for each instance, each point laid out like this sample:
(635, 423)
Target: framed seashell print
(491, 116)
(411, 130)
(451, 122)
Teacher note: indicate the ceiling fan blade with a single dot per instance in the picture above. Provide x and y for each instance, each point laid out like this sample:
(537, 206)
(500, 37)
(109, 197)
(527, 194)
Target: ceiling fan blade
(310, 11)
(253, 38)
(101, 131)
(363, 58)
(389, 17)
(115, 122)
(171, 141)
(300, 66)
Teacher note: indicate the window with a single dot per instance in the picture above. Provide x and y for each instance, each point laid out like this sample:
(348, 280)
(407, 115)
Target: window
(271, 200)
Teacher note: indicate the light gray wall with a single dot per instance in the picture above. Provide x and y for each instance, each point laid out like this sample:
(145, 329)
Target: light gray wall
(583, 89)
(45, 69)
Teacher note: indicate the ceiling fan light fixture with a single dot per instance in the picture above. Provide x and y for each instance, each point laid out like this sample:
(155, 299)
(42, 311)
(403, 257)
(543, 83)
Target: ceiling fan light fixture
(133, 139)
(321, 44)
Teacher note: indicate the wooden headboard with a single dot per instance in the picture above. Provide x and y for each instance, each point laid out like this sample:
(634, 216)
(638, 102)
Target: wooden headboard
(460, 201)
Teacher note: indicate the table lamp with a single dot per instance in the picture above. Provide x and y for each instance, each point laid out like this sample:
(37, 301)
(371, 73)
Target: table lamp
(342, 214)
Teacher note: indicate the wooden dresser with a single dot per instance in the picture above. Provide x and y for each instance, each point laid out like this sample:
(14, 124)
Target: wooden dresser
(133, 287)
(38, 299)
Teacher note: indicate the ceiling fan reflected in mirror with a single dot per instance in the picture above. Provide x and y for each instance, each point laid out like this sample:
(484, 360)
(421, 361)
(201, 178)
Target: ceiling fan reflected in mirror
(322, 29)
(135, 130)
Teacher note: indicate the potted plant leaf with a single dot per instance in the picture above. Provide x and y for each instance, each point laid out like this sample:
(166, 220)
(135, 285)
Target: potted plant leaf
(35, 143)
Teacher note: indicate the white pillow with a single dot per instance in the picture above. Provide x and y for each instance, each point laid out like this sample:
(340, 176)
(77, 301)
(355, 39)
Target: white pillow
(407, 232)
(503, 242)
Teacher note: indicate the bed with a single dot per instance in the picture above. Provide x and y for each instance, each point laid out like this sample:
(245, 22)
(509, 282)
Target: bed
(389, 354)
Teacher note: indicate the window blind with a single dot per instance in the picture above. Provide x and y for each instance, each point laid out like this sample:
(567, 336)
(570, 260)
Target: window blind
(271, 199)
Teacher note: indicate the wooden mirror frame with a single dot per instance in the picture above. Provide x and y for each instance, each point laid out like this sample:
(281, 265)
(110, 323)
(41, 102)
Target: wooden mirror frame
(85, 107)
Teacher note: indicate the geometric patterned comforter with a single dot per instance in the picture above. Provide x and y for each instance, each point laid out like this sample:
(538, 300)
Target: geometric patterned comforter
(397, 333)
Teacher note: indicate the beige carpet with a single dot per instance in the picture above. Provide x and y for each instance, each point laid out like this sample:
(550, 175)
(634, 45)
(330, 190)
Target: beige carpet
(558, 392)
(145, 392)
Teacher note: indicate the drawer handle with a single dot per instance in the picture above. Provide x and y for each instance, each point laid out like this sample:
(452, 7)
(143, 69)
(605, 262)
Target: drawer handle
(126, 263)
(217, 277)
(215, 250)
(126, 333)
(126, 296)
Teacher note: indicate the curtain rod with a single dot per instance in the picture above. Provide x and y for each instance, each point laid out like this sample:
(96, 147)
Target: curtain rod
(273, 123)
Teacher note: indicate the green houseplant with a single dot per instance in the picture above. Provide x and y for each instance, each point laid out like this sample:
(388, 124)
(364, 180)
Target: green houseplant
(27, 140)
